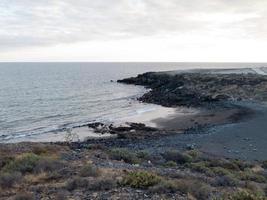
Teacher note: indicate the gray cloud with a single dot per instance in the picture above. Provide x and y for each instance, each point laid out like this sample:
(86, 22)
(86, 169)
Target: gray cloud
(48, 22)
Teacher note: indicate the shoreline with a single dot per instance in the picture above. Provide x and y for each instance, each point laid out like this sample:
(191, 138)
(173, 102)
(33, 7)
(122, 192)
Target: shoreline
(192, 120)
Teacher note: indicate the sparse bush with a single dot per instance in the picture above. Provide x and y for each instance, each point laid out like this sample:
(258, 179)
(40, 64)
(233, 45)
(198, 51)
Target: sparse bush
(254, 188)
(102, 184)
(170, 164)
(123, 154)
(4, 160)
(7, 180)
(140, 179)
(193, 153)
(89, 170)
(202, 168)
(75, 183)
(249, 175)
(24, 163)
(24, 196)
(196, 188)
(220, 171)
(225, 164)
(48, 165)
(178, 157)
(39, 150)
(226, 181)
(143, 155)
(241, 164)
(200, 190)
(164, 187)
(245, 195)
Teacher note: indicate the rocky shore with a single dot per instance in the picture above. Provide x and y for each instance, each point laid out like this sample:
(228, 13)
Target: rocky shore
(198, 89)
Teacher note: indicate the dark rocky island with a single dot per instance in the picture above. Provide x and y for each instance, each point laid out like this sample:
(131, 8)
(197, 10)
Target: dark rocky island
(185, 161)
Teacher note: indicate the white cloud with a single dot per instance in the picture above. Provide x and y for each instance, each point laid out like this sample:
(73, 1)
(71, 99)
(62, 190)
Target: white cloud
(44, 25)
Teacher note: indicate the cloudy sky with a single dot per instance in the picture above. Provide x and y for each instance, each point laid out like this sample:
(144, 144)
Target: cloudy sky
(133, 30)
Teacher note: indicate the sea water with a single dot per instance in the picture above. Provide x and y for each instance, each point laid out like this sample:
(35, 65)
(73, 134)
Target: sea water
(39, 98)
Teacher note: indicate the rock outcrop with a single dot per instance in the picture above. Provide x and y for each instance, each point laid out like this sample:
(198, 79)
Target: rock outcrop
(198, 89)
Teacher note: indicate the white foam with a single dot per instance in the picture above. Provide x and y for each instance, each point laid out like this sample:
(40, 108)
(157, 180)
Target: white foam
(146, 116)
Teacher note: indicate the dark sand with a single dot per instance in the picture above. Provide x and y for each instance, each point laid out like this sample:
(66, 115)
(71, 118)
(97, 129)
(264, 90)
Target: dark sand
(246, 139)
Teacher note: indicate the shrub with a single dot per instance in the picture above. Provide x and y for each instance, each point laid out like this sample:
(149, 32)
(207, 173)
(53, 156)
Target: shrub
(143, 155)
(4, 160)
(24, 196)
(170, 164)
(226, 181)
(39, 150)
(140, 179)
(75, 183)
(200, 190)
(202, 168)
(179, 158)
(193, 153)
(225, 164)
(7, 180)
(89, 170)
(48, 165)
(249, 175)
(254, 188)
(164, 187)
(102, 184)
(245, 195)
(123, 154)
(220, 171)
(24, 163)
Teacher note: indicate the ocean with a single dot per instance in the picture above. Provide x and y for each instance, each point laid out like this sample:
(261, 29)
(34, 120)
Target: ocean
(39, 98)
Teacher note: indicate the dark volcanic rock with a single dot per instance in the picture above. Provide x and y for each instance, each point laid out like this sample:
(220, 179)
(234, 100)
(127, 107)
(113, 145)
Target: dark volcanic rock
(198, 89)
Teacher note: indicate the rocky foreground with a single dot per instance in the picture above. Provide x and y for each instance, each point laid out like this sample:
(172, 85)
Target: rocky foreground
(143, 162)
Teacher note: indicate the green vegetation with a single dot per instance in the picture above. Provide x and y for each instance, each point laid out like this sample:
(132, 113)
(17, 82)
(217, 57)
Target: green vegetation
(195, 188)
(24, 163)
(140, 179)
(178, 157)
(94, 171)
(249, 175)
(123, 154)
(170, 164)
(143, 155)
(7, 179)
(89, 170)
(245, 195)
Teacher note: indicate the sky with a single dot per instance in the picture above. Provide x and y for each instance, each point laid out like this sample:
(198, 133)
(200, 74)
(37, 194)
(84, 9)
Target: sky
(133, 30)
